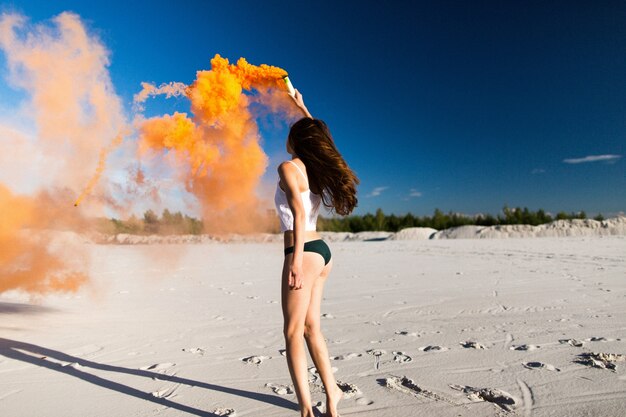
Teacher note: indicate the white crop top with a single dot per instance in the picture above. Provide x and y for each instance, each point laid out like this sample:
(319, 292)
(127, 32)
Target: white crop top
(310, 201)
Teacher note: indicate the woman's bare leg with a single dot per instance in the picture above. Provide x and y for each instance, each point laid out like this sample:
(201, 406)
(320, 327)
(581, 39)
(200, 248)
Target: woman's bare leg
(295, 304)
(317, 345)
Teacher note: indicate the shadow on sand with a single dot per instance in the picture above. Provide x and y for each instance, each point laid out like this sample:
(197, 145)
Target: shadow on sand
(36, 355)
(15, 308)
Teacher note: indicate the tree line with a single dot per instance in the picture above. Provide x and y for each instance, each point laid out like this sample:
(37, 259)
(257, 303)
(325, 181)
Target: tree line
(180, 224)
(151, 224)
(440, 220)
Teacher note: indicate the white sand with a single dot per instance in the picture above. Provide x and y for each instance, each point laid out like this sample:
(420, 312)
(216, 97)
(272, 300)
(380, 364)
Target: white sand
(195, 329)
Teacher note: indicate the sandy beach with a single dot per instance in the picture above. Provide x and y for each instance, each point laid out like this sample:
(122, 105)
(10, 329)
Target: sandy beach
(416, 327)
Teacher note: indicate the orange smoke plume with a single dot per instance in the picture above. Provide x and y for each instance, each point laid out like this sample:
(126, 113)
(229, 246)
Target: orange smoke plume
(104, 153)
(71, 106)
(150, 90)
(218, 149)
(70, 96)
(26, 261)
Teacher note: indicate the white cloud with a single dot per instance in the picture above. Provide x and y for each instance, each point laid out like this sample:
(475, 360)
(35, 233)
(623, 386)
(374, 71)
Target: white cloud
(376, 191)
(593, 158)
(414, 193)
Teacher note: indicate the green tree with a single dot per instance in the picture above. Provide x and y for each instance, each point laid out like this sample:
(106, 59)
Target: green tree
(561, 215)
(438, 221)
(151, 222)
(379, 221)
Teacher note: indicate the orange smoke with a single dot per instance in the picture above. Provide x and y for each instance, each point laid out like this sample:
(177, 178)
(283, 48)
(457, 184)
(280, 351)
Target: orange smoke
(76, 119)
(73, 112)
(104, 153)
(70, 96)
(150, 90)
(26, 261)
(218, 149)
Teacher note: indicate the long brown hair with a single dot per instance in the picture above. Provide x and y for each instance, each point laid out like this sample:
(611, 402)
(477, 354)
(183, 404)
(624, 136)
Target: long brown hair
(330, 176)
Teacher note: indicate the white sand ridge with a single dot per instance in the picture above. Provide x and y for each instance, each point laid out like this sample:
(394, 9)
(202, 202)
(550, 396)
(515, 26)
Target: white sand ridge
(559, 228)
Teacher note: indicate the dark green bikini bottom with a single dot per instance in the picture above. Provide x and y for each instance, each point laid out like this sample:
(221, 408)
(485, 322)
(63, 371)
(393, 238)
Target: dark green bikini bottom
(318, 246)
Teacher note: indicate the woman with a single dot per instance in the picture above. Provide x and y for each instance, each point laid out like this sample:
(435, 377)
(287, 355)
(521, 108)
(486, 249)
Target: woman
(316, 174)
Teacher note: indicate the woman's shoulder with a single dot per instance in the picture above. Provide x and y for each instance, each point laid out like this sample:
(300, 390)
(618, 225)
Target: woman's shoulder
(289, 165)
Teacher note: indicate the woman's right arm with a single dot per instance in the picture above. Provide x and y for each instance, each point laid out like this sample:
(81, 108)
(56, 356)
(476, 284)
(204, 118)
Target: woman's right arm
(288, 175)
(297, 98)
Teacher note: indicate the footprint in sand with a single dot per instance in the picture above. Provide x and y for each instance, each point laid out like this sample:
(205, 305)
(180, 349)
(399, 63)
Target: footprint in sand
(405, 333)
(401, 357)
(403, 384)
(571, 342)
(283, 352)
(169, 392)
(254, 360)
(327, 316)
(498, 397)
(364, 401)
(226, 412)
(315, 377)
(472, 344)
(539, 365)
(158, 367)
(600, 360)
(349, 390)
(346, 357)
(597, 339)
(252, 297)
(524, 347)
(195, 351)
(430, 348)
(408, 386)
(376, 353)
(280, 389)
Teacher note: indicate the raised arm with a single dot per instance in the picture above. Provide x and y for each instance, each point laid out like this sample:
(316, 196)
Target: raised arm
(297, 98)
(289, 177)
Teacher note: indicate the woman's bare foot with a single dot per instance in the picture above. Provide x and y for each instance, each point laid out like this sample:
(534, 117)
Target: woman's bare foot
(332, 399)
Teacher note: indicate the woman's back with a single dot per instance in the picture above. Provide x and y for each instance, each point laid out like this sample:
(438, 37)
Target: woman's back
(311, 203)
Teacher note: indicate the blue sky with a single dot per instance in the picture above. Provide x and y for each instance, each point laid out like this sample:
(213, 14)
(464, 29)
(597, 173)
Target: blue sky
(464, 106)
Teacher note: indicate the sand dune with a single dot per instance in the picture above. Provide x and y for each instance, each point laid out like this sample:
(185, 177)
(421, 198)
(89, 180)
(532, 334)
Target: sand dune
(558, 228)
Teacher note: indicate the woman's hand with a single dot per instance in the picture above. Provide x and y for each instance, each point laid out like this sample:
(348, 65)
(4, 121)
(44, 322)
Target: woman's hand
(295, 276)
(297, 98)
